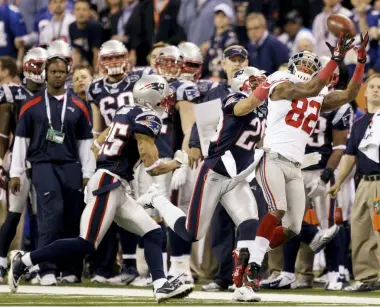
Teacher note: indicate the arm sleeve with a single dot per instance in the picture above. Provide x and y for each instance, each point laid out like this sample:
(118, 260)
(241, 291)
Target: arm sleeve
(20, 149)
(87, 158)
(194, 141)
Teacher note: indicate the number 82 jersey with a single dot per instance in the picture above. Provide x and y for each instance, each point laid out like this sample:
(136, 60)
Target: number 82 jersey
(290, 123)
(119, 153)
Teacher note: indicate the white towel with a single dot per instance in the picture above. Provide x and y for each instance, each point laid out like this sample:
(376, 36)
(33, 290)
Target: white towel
(370, 143)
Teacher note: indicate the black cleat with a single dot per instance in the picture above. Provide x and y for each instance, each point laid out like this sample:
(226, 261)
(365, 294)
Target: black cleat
(17, 269)
(174, 289)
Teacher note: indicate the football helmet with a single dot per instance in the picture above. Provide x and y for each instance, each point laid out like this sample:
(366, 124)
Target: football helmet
(113, 58)
(335, 77)
(192, 61)
(153, 91)
(59, 48)
(247, 79)
(34, 63)
(304, 65)
(169, 63)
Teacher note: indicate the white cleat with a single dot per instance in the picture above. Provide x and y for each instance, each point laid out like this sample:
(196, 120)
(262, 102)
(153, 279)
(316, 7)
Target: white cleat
(323, 279)
(271, 277)
(140, 282)
(245, 294)
(285, 280)
(322, 238)
(232, 288)
(333, 283)
(97, 279)
(146, 200)
(172, 290)
(48, 280)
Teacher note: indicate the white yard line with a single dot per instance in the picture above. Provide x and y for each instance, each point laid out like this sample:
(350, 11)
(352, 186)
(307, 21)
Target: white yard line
(223, 296)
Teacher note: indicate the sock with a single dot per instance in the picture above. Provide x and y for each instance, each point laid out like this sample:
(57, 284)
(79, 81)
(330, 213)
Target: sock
(176, 243)
(186, 263)
(165, 261)
(278, 237)
(290, 253)
(129, 261)
(8, 232)
(169, 212)
(165, 237)
(26, 260)
(247, 230)
(152, 248)
(61, 249)
(128, 241)
(308, 231)
(159, 283)
(141, 265)
(332, 253)
(176, 265)
(267, 226)
(258, 251)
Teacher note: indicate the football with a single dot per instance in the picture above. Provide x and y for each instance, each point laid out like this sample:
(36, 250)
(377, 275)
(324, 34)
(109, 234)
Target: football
(339, 23)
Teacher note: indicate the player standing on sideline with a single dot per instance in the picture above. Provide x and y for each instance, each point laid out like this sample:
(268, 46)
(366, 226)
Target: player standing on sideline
(54, 134)
(131, 138)
(12, 98)
(291, 120)
(222, 175)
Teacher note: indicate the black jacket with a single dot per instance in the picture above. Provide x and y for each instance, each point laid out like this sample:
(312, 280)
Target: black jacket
(141, 28)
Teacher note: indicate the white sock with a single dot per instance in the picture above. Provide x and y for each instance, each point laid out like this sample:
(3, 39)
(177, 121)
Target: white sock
(186, 263)
(245, 244)
(165, 261)
(3, 262)
(141, 265)
(168, 211)
(341, 269)
(258, 250)
(26, 260)
(159, 282)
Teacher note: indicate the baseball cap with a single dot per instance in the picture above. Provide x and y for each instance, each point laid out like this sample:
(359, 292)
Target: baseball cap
(226, 9)
(294, 17)
(238, 50)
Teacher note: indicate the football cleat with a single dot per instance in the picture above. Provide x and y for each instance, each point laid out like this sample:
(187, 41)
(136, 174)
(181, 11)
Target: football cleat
(251, 277)
(245, 294)
(285, 280)
(48, 280)
(241, 258)
(212, 287)
(271, 277)
(172, 290)
(69, 279)
(97, 279)
(125, 277)
(17, 269)
(333, 283)
(358, 286)
(322, 238)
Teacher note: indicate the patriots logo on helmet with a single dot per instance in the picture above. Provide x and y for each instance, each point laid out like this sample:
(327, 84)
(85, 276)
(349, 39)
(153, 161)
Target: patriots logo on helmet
(238, 73)
(159, 87)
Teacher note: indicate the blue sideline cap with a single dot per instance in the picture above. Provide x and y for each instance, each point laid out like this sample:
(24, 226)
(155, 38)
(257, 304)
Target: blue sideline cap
(238, 50)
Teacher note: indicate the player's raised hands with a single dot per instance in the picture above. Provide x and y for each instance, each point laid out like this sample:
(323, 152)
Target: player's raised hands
(343, 45)
(361, 49)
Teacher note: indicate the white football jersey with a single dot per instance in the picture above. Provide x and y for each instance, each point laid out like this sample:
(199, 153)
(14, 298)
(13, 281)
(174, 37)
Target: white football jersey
(290, 123)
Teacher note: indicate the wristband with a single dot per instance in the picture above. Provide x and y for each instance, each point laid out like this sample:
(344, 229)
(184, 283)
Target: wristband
(261, 92)
(96, 143)
(339, 147)
(327, 174)
(96, 133)
(358, 73)
(154, 165)
(327, 71)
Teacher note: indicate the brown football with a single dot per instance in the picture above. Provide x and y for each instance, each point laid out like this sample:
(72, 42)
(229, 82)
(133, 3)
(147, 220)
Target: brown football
(339, 23)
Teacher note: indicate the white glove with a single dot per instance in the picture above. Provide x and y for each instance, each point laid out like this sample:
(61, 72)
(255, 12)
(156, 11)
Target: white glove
(311, 159)
(179, 177)
(181, 157)
(316, 188)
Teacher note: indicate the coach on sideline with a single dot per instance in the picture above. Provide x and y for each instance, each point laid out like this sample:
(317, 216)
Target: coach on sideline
(54, 134)
(363, 151)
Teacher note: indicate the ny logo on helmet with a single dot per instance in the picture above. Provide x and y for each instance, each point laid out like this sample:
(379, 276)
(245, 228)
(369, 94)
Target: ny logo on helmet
(159, 87)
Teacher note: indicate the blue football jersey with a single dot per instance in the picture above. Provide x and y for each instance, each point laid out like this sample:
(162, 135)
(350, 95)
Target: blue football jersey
(16, 95)
(236, 136)
(204, 86)
(12, 25)
(111, 96)
(119, 154)
(321, 138)
(171, 134)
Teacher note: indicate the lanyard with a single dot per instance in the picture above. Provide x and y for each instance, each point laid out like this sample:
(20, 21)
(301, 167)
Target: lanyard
(47, 103)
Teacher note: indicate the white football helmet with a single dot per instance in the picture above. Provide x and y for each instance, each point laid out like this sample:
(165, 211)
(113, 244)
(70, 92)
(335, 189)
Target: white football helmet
(192, 61)
(304, 65)
(153, 91)
(59, 48)
(335, 77)
(247, 79)
(34, 64)
(113, 58)
(169, 63)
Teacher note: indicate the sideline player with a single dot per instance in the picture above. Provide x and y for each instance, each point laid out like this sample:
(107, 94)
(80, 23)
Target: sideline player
(12, 98)
(131, 138)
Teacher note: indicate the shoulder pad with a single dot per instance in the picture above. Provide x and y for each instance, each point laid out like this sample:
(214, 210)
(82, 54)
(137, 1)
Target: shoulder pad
(124, 110)
(233, 98)
(151, 120)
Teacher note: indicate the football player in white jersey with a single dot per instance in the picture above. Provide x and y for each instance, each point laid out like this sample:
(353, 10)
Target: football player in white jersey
(294, 107)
